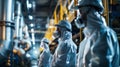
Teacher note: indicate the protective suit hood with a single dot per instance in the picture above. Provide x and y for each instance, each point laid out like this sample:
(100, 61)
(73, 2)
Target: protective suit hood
(95, 20)
(64, 29)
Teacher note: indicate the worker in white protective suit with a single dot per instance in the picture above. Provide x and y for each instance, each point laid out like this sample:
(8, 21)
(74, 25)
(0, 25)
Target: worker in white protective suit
(65, 53)
(45, 56)
(100, 46)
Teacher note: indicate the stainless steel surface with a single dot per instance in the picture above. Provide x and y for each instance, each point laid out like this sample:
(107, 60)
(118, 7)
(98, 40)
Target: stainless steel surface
(17, 19)
(6, 10)
(6, 25)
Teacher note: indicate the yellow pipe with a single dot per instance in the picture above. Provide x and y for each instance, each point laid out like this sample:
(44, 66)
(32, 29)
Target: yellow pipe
(55, 18)
(106, 10)
(61, 11)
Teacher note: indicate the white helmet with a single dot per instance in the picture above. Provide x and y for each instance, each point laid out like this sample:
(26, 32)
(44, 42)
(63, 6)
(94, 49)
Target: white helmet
(97, 4)
(65, 24)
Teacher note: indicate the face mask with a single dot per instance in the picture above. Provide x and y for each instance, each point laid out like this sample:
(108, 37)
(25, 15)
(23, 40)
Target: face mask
(79, 22)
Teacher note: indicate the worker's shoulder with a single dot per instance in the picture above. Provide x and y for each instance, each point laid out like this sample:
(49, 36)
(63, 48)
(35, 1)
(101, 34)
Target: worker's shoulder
(68, 43)
(109, 32)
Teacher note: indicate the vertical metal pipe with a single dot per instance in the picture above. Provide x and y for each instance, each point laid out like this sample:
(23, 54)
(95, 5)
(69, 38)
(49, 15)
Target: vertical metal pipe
(17, 18)
(6, 25)
(6, 10)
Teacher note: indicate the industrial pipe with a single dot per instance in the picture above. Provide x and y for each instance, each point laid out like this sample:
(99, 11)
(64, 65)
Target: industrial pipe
(6, 28)
(18, 15)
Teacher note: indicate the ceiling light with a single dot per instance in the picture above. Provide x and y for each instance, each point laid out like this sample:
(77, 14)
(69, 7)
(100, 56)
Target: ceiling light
(31, 25)
(30, 17)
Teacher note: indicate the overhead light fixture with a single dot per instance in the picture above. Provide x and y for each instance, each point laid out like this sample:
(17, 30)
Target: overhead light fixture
(30, 17)
(29, 5)
(31, 25)
(32, 30)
